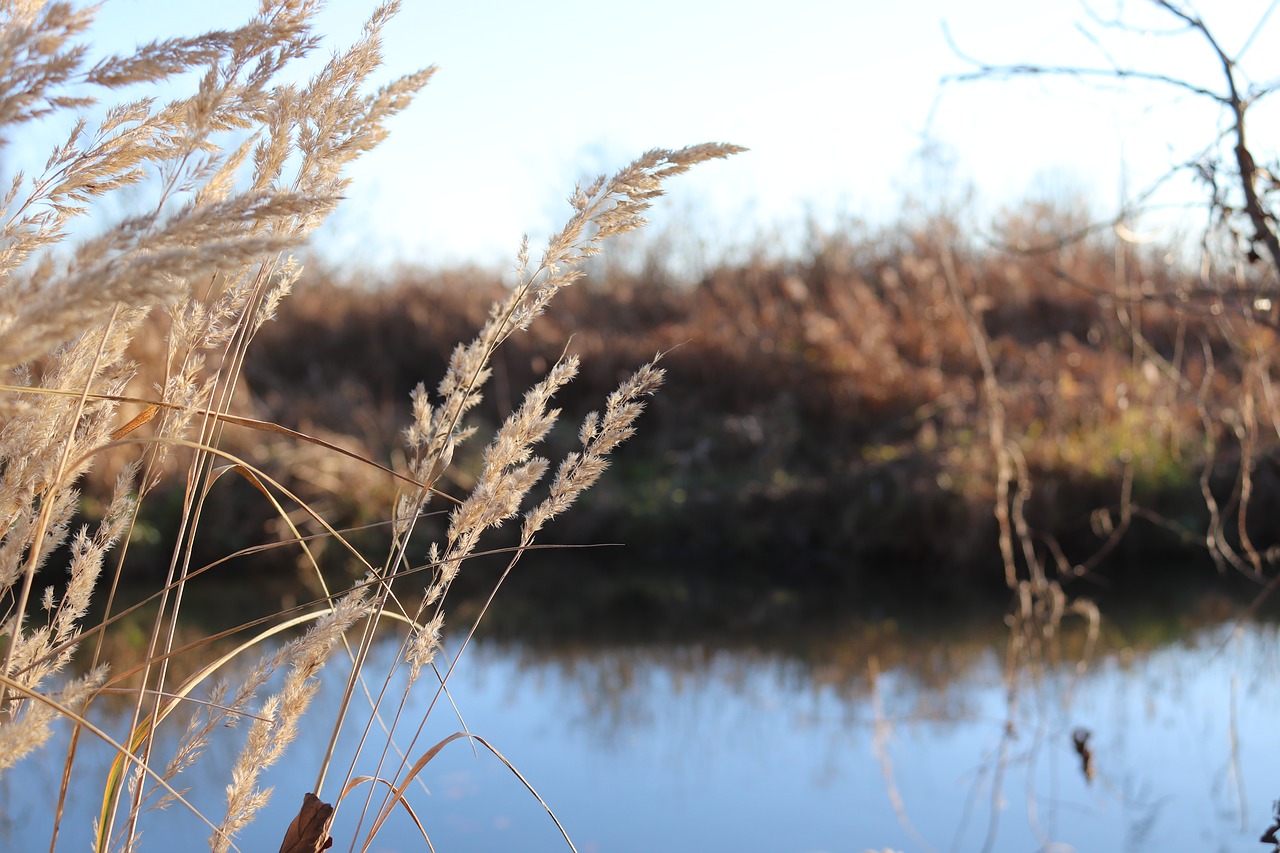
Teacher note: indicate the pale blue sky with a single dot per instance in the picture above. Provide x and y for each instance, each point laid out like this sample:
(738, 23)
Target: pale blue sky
(832, 98)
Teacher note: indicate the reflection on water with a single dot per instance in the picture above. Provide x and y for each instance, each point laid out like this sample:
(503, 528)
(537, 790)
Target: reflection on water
(872, 735)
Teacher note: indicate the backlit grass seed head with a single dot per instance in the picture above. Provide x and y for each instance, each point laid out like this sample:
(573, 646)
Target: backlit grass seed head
(603, 209)
(530, 423)
(599, 436)
(26, 726)
(509, 472)
(195, 739)
(277, 723)
(424, 646)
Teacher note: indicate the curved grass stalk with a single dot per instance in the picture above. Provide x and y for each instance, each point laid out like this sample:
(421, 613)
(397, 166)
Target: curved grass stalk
(398, 791)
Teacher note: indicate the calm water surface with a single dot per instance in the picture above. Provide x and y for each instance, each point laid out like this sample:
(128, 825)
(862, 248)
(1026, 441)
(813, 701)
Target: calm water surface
(859, 737)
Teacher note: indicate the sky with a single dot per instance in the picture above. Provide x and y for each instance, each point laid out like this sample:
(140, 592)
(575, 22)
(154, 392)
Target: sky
(841, 104)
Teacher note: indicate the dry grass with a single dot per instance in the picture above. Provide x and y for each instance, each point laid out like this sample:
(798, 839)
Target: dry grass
(235, 177)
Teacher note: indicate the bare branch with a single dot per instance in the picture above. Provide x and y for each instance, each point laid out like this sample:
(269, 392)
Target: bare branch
(1246, 177)
(1262, 22)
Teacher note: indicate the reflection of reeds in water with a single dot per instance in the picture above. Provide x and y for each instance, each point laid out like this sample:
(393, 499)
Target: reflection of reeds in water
(880, 748)
(1040, 603)
(966, 761)
(242, 171)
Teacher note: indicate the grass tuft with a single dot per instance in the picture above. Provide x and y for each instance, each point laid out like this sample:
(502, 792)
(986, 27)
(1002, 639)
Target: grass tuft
(124, 351)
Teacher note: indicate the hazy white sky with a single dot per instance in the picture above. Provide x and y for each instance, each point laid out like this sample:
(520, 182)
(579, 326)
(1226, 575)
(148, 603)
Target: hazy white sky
(834, 100)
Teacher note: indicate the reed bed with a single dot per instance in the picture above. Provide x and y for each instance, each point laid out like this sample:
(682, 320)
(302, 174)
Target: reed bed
(125, 351)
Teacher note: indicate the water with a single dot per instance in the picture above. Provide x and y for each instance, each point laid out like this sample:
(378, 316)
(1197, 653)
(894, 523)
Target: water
(860, 737)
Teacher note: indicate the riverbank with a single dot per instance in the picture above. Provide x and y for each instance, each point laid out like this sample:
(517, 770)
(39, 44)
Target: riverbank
(828, 414)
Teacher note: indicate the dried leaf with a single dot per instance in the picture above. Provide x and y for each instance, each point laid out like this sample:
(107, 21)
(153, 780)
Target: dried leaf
(309, 832)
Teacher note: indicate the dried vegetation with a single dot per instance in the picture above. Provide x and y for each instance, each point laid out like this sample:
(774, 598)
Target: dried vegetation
(827, 415)
(232, 179)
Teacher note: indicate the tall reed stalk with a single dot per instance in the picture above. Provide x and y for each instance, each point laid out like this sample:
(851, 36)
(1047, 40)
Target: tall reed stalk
(236, 176)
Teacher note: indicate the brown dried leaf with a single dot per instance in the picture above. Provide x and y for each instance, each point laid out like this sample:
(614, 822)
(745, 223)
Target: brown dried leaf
(309, 831)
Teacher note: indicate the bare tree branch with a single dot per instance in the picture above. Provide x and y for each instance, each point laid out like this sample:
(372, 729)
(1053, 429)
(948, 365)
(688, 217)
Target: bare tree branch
(1246, 177)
